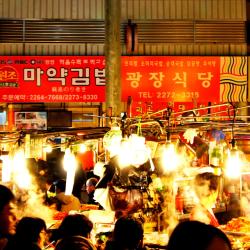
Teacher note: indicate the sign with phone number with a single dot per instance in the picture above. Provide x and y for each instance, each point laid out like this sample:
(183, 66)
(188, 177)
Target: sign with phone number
(52, 79)
(143, 78)
(171, 78)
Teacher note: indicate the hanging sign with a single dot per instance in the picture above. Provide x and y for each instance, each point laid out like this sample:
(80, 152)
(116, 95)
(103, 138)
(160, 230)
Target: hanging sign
(171, 78)
(181, 79)
(203, 110)
(52, 79)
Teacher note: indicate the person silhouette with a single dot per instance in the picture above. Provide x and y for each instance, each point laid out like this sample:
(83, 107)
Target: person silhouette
(127, 234)
(30, 234)
(206, 185)
(196, 235)
(7, 216)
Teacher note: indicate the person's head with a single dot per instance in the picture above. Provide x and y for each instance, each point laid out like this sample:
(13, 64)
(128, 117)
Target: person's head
(7, 216)
(206, 187)
(75, 224)
(190, 235)
(90, 184)
(128, 232)
(31, 230)
(60, 186)
(74, 243)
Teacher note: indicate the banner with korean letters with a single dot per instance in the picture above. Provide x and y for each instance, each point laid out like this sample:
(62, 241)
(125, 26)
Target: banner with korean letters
(52, 79)
(146, 79)
(184, 78)
(172, 78)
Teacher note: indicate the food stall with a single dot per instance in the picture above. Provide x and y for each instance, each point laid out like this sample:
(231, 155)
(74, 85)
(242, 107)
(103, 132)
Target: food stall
(165, 150)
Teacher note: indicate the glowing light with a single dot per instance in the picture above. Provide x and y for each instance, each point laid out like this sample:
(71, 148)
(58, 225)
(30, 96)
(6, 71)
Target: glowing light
(99, 169)
(139, 150)
(6, 168)
(48, 149)
(82, 148)
(152, 166)
(189, 135)
(124, 154)
(69, 164)
(170, 159)
(133, 151)
(112, 140)
(21, 175)
(233, 164)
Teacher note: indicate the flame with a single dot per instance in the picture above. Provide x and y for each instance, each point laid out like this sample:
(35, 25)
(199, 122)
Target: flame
(70, 164)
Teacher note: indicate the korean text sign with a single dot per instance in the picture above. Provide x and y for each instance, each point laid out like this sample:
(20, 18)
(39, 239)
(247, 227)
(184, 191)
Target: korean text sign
(171, 78)
(52, 79)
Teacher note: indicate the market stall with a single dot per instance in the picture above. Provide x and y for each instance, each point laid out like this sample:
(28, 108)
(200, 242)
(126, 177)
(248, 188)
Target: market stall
(152, 161)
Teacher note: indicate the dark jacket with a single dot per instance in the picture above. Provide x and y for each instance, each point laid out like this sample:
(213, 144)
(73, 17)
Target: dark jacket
(17, 245)
(74, 243)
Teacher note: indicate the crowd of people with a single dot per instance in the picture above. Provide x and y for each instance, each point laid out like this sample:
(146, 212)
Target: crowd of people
(74, 232)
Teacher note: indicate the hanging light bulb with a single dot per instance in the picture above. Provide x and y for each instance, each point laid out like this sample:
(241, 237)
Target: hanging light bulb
(139, 150)
(233, 163)
(170, 159)
(133, 151)
(124, 154)
(112, 139)
(69, 164)
(48, 149)
(82, 148)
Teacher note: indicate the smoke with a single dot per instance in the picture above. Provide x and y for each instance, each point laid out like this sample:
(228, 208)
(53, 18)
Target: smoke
(169, 217)
(31, 202)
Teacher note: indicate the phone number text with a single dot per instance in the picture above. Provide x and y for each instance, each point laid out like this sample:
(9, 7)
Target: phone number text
(52, 98)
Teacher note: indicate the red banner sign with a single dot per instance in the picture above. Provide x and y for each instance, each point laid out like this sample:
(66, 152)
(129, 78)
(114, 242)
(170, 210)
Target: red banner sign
(171, 78)
(52, 79)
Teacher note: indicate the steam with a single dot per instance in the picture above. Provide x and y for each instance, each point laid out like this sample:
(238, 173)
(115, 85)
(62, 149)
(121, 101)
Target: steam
(169, 216)
(31, 203)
